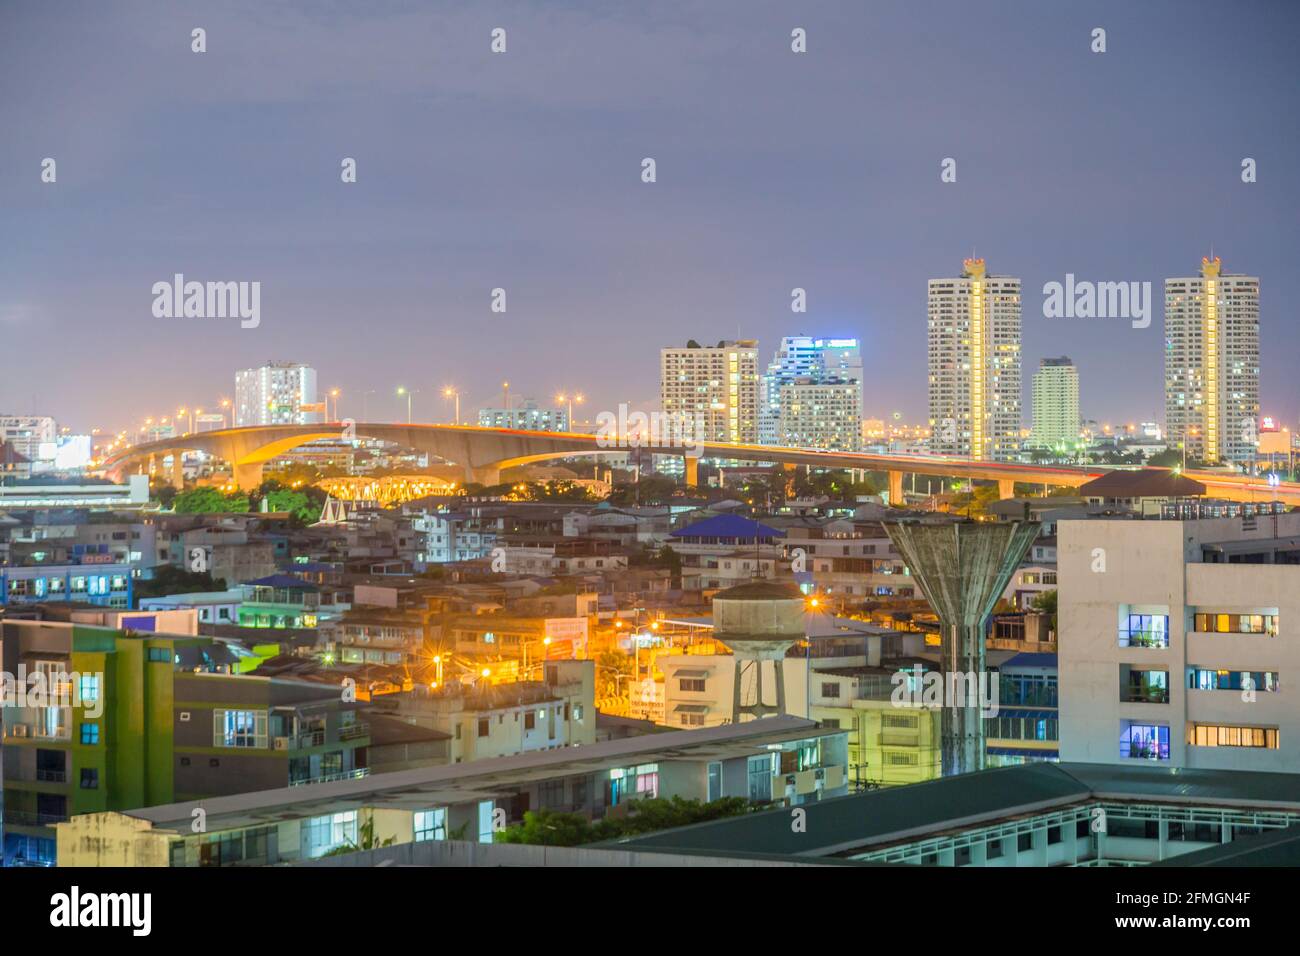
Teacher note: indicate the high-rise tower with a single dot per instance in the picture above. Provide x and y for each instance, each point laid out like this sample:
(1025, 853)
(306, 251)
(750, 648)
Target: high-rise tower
(974, 364)
(1212, 364)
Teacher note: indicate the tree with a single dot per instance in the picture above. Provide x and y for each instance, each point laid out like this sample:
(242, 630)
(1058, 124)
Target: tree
(209, 501)
(1169, 458)
(366, 841)
(169, 579)
(549, 828)
(299, 504)
(1045, 603)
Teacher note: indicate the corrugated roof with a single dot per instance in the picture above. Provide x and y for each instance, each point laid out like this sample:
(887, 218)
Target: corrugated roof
(728, 526)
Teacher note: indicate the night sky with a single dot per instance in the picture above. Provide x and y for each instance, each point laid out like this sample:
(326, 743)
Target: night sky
(522, 171)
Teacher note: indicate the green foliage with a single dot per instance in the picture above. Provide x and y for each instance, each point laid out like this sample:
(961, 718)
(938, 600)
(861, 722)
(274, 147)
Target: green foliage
(168, 579)
(297, 503)
(835, 484)
(209, 501)
(651, 489)
(549, 828)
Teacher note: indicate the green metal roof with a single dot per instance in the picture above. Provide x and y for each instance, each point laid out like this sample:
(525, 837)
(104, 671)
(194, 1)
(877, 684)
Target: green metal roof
(860, 821)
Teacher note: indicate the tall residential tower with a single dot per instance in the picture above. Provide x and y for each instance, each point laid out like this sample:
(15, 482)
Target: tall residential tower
(974, 351)
(811, 394)
(1212, 364)
(716, 386)
(276, 394)
(1056, 403)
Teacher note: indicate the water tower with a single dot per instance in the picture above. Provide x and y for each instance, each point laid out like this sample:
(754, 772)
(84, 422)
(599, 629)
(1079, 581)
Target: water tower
(962, 569)
(758, 621)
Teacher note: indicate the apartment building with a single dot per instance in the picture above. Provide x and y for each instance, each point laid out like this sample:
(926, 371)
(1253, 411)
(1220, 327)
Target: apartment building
(130, 720)
(1179, 640)
(974, 364)
(714, 387)
(1212, 364)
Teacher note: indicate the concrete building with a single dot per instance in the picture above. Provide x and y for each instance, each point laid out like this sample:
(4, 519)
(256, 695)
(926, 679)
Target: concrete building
(1056, 404)
(820, 413)
(527, 415)
(811, 361)
(1212, 364)
(714, 387)
(1037, 815)
(26, 433)
(974, 365)
(133, 719)
(276, 394)
(1175, 641)
(779, 759)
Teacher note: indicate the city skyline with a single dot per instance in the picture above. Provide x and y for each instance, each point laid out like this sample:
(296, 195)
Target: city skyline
(547, 203)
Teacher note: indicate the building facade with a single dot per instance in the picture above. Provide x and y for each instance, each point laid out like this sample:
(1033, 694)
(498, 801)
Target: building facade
(1176, 641)
(276, 394)
(1212, 364)
(1056, 404)
(812, 362)
(974, 365)
(716, 388)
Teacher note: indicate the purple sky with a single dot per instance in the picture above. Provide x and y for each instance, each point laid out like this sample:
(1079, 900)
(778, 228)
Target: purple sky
(522, 171)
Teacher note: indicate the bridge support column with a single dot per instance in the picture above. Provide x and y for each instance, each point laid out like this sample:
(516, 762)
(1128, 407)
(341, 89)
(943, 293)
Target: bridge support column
(895, 487)
(692, 471)
(1006, 488)
(247, 477)
(487, 475)
(178, 471)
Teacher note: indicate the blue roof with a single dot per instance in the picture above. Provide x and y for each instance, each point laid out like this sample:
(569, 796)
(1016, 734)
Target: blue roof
(728, 526)
(1026, 659)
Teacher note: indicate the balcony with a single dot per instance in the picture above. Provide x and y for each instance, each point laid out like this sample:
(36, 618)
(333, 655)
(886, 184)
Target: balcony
(354, 732)
(32, 818)
(331, 777)
(1139, 637)
(52, 776)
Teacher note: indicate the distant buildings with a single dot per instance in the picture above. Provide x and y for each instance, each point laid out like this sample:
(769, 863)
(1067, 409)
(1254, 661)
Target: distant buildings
(1212, 364)
(1056, 403)
(974, 365)
(276, 394)
(528, 416)
(811, 395)
(716, 387)
(26, 433)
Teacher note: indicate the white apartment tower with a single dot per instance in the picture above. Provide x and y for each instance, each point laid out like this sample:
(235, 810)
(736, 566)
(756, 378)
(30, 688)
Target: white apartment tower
(278, 393)
(1212, 364)
(717, 387)
(812, 374)
(1056, 403)
(974, 365)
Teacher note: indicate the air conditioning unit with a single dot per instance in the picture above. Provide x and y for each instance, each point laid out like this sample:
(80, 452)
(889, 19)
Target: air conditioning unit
(281, 743)
(21, 730)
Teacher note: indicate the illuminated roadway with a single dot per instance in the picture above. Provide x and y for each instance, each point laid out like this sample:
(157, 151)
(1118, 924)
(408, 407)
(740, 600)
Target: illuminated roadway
(483, 452)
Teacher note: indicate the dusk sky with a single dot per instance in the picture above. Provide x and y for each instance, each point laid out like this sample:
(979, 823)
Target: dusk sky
(522, 171)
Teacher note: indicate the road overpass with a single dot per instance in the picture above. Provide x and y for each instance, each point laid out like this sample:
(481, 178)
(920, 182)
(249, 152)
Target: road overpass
(483, 452)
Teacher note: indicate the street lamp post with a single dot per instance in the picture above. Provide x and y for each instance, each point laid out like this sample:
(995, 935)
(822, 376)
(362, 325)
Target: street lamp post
(451, 392)
(334, 394)
(571, 398)
(407, 392)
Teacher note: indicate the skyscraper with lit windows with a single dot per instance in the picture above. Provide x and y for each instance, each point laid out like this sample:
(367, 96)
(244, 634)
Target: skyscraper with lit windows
(974, 365)
(1212, 364)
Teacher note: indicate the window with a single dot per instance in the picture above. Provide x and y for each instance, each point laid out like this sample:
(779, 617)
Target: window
(1223, 735)
(90, 734)
(830, 689)
(530, 720)
(160, 655)
(89, 778)
(322, 834)
(239, 728)
(1209, 623)
(431, 825)
(691, 684)
(760, 779)
(1145, 742)
(89, 688)
(484, 727)
(1145, 630)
